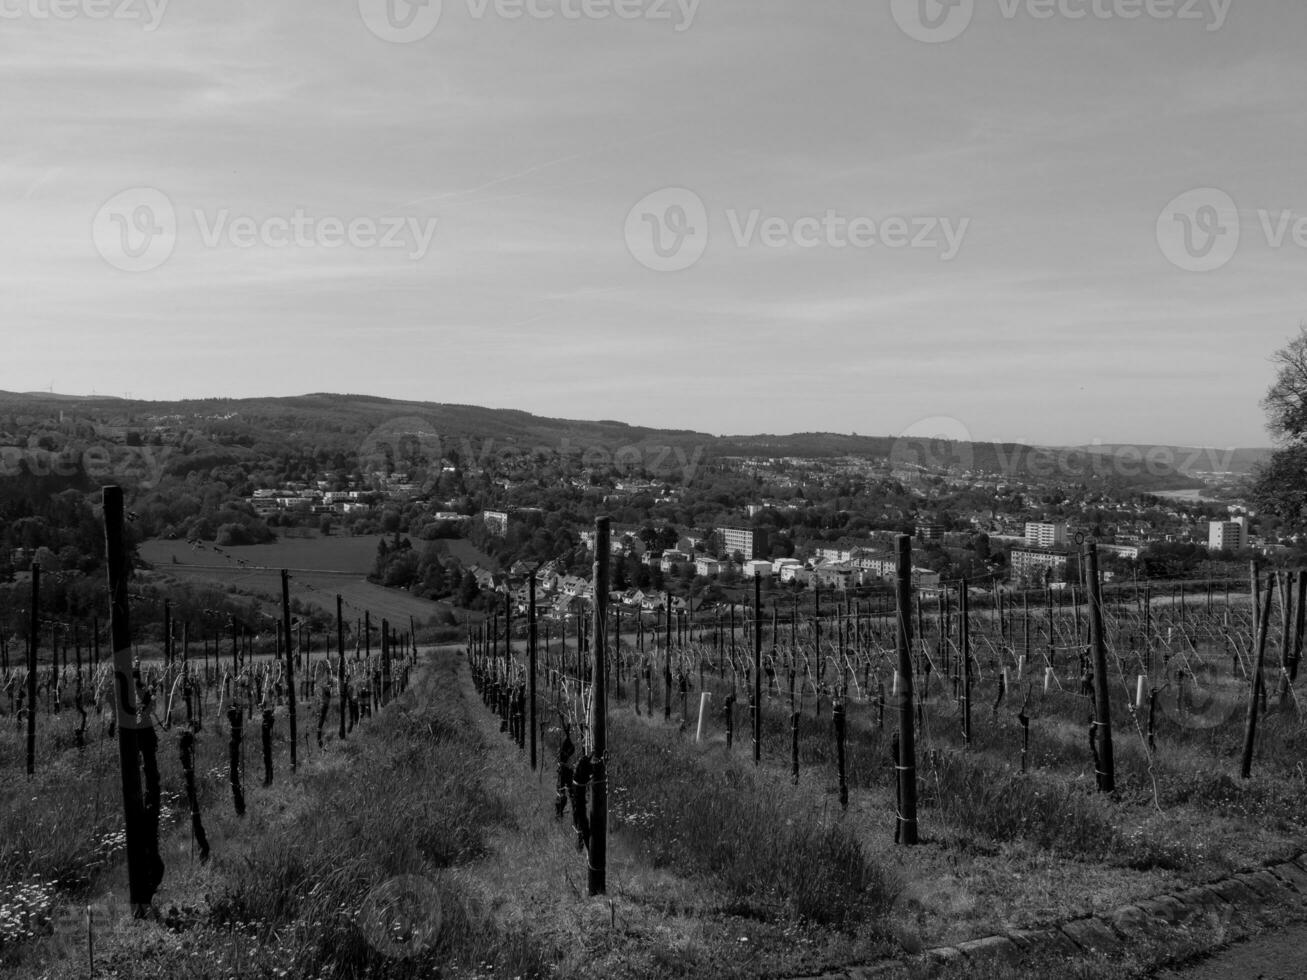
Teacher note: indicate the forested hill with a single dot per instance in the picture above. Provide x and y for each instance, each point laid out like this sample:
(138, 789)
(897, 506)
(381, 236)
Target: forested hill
(333, 429)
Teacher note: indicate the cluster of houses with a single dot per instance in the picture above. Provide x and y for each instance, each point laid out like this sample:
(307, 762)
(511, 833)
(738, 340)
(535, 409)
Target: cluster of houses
(561, 596)
(297, 500)
(316, 498)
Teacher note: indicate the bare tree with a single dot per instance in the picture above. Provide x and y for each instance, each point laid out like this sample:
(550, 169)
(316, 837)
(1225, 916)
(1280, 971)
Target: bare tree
(1280, 486)
(1285, 403)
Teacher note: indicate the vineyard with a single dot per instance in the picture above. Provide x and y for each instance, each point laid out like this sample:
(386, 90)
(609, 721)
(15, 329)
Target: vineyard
(207, 715)
(1038, 789)
(751, 790)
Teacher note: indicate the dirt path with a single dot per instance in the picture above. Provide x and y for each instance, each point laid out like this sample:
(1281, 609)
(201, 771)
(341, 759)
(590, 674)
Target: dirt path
(1282, 956)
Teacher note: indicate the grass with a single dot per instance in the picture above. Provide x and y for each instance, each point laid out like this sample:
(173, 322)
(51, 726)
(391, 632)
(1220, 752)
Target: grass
(61, 829)
(406, 801)
(718, 867)
(321, 568)
(701, 813)
(301, 885)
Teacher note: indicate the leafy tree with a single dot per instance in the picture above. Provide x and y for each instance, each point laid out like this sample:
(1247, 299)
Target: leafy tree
(1280, 486)
(468, 591)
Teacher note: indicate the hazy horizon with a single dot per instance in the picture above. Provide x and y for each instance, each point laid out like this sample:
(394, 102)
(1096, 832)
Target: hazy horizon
(1050, 223)
(918, 431)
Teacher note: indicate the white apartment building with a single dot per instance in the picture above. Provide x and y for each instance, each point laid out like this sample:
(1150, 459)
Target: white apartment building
(1228, 534)
(1045, 534)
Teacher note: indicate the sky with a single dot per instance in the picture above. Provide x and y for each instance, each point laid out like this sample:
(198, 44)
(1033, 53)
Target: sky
(1054, 221)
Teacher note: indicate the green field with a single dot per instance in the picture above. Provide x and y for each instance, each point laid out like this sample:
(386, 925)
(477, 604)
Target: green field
(320, 569)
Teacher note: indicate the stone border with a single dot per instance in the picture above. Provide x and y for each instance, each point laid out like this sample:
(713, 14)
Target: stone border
(1231, 901)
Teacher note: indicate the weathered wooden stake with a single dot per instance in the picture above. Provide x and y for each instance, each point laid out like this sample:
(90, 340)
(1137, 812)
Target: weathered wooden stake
(1102, 692)
(531, 663)
(598, 878)
(33, 635)
(964, 638)
(290, 662)
(837, 714)
(907, 763)
(144, 867)
(340, 662)
(1261, 624)
(757, 669)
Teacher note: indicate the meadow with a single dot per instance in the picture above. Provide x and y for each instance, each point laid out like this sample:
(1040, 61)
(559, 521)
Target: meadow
(321, 567)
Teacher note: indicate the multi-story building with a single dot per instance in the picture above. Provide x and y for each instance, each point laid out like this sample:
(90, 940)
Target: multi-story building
(795, 572)
(1032, 566)
(1231, 535)
(708, 567)
(834, 575)
(874, 568)
(496, 521)
(832, 553)
(930, 531)
(672, 560)
(1045, 534)
(751, 542)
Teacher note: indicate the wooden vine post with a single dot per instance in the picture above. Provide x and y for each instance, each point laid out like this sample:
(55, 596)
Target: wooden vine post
(290, 661)
(667, 660)
(1102, 692)
(964, 638)
(33, 634)
(144, 867)
(1261, 622)
(340, 661)
(598, 878)
(757, 669)
(531, 663)
(907, 750)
